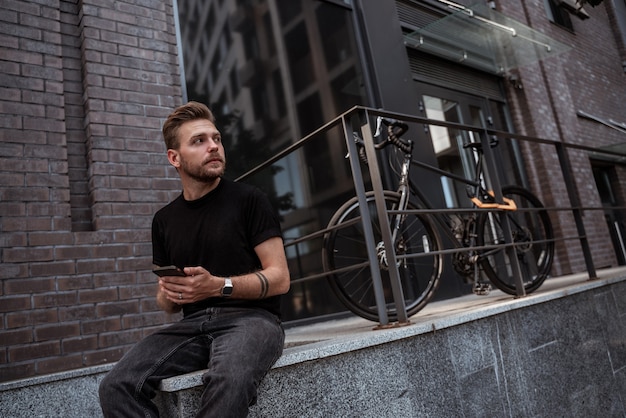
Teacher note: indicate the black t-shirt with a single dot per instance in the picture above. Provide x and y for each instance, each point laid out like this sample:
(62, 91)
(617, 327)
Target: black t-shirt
(218, 232)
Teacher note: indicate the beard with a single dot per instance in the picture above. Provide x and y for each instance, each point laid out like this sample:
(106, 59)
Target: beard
(206, 172)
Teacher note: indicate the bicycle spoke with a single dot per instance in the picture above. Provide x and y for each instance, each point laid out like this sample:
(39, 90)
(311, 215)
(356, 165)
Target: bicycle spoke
(346, 246)
(531, 233)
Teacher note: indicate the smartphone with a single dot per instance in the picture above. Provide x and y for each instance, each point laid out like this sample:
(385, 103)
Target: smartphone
(168, 271)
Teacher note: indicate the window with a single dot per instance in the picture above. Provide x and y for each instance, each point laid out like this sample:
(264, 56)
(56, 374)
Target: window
(559, 12)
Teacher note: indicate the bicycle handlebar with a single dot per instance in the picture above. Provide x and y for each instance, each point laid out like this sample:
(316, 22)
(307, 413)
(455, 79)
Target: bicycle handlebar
(395, 129)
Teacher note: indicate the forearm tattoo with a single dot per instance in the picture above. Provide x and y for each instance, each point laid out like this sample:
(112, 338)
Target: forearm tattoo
(265, 284)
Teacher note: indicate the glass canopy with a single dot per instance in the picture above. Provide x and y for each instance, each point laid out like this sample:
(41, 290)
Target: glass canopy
(483, 38)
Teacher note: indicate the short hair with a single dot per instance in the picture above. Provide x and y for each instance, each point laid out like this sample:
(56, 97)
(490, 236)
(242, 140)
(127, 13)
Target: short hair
(180, 115)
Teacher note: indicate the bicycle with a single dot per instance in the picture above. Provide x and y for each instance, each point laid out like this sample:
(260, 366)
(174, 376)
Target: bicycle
(476, 234)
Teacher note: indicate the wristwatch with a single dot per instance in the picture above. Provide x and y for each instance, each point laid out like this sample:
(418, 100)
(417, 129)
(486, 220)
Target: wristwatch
(227, 290)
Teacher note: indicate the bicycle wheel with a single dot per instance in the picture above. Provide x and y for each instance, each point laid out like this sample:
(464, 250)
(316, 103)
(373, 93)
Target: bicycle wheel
(346, 246)
(531, 231)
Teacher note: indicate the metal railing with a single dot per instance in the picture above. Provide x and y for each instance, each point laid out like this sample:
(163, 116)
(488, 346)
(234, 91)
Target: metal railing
(358, 119)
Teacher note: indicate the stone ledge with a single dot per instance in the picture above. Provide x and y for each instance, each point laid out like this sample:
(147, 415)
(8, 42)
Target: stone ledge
(323, 361)
(343, 336)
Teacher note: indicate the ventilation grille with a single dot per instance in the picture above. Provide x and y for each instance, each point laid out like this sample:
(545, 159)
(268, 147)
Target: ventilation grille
(433, 70)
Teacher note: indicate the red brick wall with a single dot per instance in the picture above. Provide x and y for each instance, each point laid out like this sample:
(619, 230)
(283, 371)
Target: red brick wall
(84, 88)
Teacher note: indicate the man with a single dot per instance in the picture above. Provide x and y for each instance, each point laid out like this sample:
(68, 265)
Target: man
(226, 239)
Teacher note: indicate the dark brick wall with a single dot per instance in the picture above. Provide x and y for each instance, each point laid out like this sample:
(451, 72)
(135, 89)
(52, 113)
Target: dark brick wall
(84, 88)
(590, 78)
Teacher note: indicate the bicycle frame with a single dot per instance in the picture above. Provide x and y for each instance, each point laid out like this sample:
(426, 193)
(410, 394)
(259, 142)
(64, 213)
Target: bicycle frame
(386, 252)
(406, 188)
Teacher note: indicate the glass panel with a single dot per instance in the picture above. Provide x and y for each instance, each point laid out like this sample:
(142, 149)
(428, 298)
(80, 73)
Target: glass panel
(445, 143)
(484, 38)
(274, 71)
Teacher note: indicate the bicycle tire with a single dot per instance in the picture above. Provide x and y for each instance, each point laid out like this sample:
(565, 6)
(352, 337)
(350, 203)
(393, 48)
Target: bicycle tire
(531, 227)
(346, 246)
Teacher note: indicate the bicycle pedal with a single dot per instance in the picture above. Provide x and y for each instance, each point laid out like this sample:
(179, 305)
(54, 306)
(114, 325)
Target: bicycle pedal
(482, 289)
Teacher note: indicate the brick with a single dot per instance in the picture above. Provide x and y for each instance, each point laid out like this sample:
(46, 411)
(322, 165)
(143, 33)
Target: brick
(136, 237)
(56, 331)
(98, 326)
(79, 344)
(41, 47)
(77, 312)
(136, 30)
(47, 125)
(14, 371)
(16, 179)
(12, 271)
(94, 238)
(112, 251)
(109, 169)
(114, 278)
(23, 83)
(120, 222)
(16, 336)
(24, 165)
(53, 268)
(33, 110)
(10, 123)
(14, 239)
(27, 286)
(99, 46)
(47, 180)
(34, 351)
(139, 97)
(74, 281)
(54, 208)
(103, 69)
(117, 308)
(17, 209)
(56, 299)
(15, 303)
(30, 318)
(73, 252)
(119, 38)
(25, 225)
(97, 295)
(138, 291)
(17, 255)
(135, 264)
(132, 210)
(50, 238)
(94, 266)
(25, 195)
(39, 71)
(58, 364)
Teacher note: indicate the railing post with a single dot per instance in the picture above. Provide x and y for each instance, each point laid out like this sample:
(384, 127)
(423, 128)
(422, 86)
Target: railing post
(383, 218)
(359, 186)
(492, 174)
(574, 200)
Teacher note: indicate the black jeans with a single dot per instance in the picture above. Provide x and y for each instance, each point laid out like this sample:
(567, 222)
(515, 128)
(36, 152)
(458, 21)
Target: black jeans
(237, 345)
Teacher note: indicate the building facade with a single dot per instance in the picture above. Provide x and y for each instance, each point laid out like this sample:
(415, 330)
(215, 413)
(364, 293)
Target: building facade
(86, 86)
